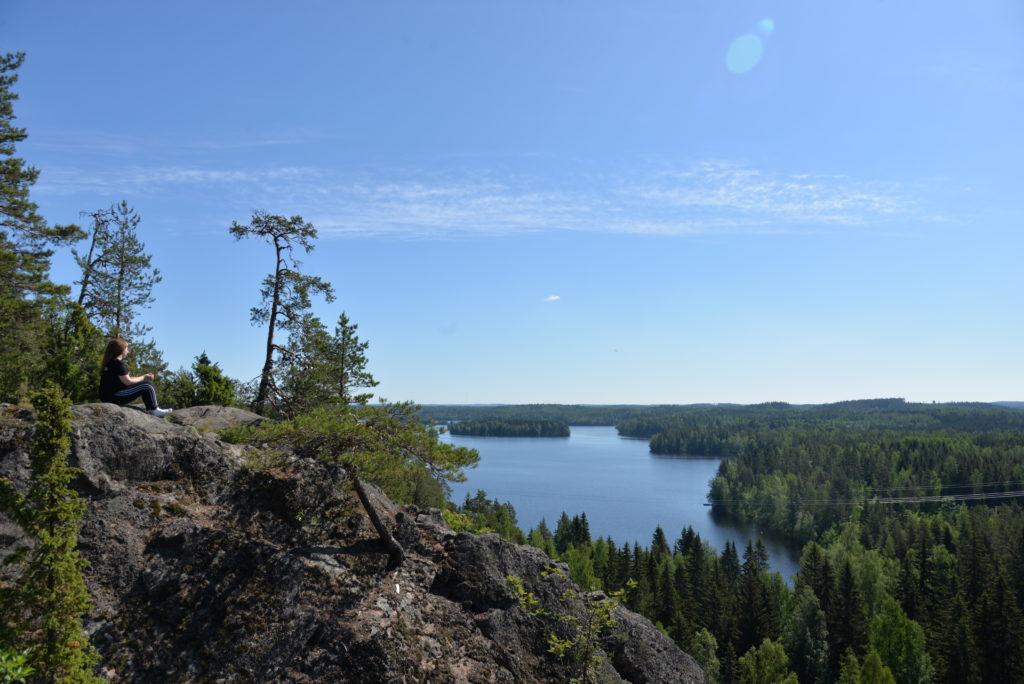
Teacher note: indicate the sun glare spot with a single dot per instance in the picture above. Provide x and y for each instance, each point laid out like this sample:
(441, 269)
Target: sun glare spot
(766, 26)
(744, 54)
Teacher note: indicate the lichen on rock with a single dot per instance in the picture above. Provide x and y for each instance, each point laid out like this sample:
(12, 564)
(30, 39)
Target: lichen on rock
(204, 569)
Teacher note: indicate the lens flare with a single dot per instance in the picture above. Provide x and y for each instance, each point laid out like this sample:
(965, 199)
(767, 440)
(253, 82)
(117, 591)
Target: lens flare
(766, 27)
(744, 54)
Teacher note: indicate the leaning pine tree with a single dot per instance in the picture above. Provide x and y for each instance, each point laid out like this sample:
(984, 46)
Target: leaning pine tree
(42, 611)
(285, 293)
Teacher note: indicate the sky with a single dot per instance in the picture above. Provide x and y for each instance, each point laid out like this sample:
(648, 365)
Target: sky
(576, 201)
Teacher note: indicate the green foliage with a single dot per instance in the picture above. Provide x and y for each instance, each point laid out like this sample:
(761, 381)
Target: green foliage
(900, 643)
(510, 428)
(204, 385)
(263, 459)
(74, 351)
(766, 663)
(14, 666)
(478, 514)
(42, 611)
(583, 633)
(387, 445)
(806, 638)
(320, 368)
(346, 362)
(286, 293)
(117, 275)
(26, 245)
(179, 389)
(703, 646)
(849, 670)
(874, 671)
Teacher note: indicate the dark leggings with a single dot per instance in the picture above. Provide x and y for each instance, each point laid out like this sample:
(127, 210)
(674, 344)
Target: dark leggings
(144, 389)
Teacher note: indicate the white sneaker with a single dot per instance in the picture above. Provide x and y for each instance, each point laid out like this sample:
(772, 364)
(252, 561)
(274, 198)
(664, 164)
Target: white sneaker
(159, 412)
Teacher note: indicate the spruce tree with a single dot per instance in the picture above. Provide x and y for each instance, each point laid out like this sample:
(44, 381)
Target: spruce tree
(213, 388)
(43, 610)
(347, 361)
(74, 351)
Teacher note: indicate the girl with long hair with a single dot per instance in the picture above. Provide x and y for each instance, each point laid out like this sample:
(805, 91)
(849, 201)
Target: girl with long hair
(118, 386)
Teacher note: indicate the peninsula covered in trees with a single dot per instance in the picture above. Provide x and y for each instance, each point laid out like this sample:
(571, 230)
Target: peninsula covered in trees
(510, 428)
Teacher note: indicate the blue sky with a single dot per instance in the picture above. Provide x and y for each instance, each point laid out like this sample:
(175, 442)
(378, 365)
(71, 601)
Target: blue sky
(600, 202)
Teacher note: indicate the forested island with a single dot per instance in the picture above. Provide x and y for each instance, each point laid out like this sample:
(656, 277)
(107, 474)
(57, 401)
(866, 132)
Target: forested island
(510, 428)
(570, 414)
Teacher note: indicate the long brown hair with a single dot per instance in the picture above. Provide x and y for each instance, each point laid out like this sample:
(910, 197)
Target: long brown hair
(114, 349)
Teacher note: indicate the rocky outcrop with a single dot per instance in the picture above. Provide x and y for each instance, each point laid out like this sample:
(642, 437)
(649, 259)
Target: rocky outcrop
(209, 564)
(213, 418)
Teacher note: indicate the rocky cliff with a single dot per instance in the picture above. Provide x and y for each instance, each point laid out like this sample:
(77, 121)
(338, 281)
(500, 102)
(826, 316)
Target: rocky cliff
(210, 564)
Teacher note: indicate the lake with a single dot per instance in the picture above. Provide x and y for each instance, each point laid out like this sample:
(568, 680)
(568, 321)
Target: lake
(625, 490)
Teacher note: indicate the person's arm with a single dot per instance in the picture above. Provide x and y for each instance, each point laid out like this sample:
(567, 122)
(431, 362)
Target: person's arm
(129, 380)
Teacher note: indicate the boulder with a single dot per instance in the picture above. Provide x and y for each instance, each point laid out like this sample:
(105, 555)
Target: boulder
(213, 418)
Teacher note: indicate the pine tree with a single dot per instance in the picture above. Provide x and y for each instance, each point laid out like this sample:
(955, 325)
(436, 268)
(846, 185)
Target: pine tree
(43, 611)
(26, 245)
(286, 293)
(117, 275)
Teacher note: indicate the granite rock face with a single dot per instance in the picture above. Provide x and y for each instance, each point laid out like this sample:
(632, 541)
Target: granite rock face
(206, 566)
(212, 418)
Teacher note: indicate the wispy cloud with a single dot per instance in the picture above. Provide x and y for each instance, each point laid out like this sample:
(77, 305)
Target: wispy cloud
(552, 298)
(706, 197)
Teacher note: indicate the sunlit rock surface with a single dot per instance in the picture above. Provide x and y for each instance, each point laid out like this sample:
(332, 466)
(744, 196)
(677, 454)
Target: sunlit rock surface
(204, 569)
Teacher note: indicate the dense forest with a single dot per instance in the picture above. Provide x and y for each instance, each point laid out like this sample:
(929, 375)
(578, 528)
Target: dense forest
(912, 567)
(889, 596)
(510, 428)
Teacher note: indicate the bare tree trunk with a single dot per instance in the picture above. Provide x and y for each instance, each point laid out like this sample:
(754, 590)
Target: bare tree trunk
(395, 553)
(268, 364)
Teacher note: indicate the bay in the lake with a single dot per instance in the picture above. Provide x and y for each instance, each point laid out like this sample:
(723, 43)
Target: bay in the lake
(625, 490)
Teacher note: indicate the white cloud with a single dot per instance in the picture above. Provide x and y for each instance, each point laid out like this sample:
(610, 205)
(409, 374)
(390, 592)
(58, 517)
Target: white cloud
(552, 298)
(706, 197)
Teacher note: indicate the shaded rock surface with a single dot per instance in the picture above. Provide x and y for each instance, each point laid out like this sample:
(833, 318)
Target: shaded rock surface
(204, 569)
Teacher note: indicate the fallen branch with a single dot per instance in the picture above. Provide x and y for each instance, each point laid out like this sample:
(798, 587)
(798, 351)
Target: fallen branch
(396, 555)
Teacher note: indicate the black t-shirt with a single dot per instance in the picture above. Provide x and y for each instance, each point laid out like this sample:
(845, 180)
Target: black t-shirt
(110, 380)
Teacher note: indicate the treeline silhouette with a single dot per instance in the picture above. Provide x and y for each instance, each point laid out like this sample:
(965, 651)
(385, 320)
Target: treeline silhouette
(510, 428)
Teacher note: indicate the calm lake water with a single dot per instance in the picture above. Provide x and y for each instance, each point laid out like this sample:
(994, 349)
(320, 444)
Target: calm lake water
(625, 490)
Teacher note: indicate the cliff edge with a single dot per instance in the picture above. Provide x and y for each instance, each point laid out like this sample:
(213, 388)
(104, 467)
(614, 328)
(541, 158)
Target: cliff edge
(211, 563)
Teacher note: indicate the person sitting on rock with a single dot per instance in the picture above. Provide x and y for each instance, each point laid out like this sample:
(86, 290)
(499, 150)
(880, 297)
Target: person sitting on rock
(117, 386)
